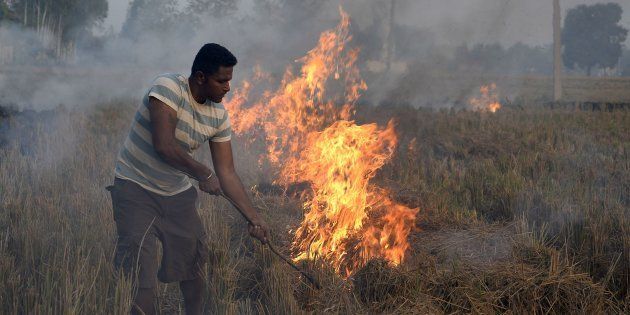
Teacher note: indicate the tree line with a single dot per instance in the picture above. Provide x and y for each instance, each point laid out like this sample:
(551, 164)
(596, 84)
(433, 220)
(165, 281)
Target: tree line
(70, 18)
(592, 37)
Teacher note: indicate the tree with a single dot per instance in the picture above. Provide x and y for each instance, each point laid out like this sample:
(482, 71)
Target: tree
(150, 16)
(6, 14)
(70, 18)
(290, 12)
(592, 36)
(624, 63)
(480, 57)
(146, 16)
(200, 9)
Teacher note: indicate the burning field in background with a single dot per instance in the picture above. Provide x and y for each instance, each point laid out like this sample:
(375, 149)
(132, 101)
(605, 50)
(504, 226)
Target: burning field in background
(312, 138)
(487, 100)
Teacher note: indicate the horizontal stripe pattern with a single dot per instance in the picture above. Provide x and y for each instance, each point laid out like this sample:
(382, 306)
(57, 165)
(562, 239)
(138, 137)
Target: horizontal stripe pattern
(196, 124)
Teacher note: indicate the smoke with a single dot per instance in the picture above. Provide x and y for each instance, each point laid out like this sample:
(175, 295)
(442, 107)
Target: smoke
(122, 65)
(165, 35)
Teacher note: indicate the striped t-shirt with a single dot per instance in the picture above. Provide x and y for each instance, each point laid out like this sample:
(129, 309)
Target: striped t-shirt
(196, 123)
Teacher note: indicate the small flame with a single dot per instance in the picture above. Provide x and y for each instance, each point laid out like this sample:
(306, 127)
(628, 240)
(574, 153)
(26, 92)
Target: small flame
(488, 101)
(311, 139)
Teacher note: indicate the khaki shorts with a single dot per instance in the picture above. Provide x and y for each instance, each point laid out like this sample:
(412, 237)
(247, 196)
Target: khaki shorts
(142, 218)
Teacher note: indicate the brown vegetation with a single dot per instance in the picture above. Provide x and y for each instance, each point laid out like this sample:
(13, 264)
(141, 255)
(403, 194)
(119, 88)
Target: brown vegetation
(522, 211)
(441, 88)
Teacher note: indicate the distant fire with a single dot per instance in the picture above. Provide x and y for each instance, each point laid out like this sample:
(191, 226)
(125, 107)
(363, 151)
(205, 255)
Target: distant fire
(311, 139)
(488, 100)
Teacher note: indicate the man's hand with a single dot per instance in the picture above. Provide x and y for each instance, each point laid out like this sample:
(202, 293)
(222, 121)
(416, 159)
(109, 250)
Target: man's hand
(211, 186)
(234, 191)
(260, 230)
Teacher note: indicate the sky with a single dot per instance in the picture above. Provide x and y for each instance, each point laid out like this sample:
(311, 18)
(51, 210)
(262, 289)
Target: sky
(503, 21)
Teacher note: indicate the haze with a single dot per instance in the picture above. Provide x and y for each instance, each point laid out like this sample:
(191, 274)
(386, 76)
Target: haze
(454, 21)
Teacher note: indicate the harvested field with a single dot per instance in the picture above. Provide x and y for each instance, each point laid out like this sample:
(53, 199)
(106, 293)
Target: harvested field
(436, 89)
(521, 211)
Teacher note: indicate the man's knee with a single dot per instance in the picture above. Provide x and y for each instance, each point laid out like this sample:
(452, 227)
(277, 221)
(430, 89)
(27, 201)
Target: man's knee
(137, 258)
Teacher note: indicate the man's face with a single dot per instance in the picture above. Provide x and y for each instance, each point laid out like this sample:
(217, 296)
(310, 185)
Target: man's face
(218, 84)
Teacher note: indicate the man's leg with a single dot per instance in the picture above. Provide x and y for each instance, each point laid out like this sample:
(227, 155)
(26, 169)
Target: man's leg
(136, 217)
(192, 290)
(144, 302)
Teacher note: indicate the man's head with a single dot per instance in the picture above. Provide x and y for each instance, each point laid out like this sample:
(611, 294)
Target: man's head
(212, 71)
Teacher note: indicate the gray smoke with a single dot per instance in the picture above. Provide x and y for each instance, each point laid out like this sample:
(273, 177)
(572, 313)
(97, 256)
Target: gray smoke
(273, 34)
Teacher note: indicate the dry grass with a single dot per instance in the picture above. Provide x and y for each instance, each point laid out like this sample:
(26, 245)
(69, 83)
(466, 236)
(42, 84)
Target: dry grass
(525, 211)
(434, 88)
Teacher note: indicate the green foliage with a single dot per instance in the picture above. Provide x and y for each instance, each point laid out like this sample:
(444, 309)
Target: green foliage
(6, 14)
(72, 18)
(150, 15)
(200, 9)
(592, 36)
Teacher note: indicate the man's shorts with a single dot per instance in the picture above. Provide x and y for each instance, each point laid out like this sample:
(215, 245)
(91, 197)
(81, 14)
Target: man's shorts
(143, 217)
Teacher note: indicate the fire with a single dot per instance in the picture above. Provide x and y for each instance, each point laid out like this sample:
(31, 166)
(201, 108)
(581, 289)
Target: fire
(300, 105)
(310, 137)
(487, 101)
(348, 219)
(246, 119)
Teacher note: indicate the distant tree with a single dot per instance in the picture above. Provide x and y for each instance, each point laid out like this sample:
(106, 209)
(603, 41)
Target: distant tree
(410, 42)
(6, 14)
(200, 9)
(150, 16)
(525, 59)
(493, 58)
(71, 18)
(480, 57)
(290, 12)
(624, 63)
(592, 36)
(145, 16)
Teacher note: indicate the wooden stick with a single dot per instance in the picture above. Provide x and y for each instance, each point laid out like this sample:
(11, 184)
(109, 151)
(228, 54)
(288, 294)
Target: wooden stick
(308, 276)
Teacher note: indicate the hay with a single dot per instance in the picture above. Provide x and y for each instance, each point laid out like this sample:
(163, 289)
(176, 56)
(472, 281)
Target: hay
(521, 288)
(385, 288)
(335, 296)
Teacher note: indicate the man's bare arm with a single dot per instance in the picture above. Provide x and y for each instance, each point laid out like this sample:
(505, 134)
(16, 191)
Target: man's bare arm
(163, 124)
(232, 186)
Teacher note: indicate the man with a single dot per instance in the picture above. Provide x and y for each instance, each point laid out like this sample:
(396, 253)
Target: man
(153, 198)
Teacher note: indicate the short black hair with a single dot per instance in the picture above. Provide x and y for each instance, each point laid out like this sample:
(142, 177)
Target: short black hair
(212, 56)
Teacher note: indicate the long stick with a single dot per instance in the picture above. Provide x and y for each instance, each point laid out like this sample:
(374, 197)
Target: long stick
(308, 276)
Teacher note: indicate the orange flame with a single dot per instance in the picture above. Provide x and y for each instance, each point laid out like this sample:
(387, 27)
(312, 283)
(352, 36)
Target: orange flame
(488, 101)
(349, 220)
(246, 119)
(299, 105)
(312, 139)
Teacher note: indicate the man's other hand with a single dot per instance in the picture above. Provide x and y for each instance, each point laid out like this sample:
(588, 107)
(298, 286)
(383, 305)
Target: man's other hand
(211, 185)
(260, 230)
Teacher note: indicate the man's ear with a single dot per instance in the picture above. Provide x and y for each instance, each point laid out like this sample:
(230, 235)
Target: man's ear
(200, 77)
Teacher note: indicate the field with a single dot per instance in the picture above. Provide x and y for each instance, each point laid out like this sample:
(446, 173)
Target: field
(435, 88)
(522, 211)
